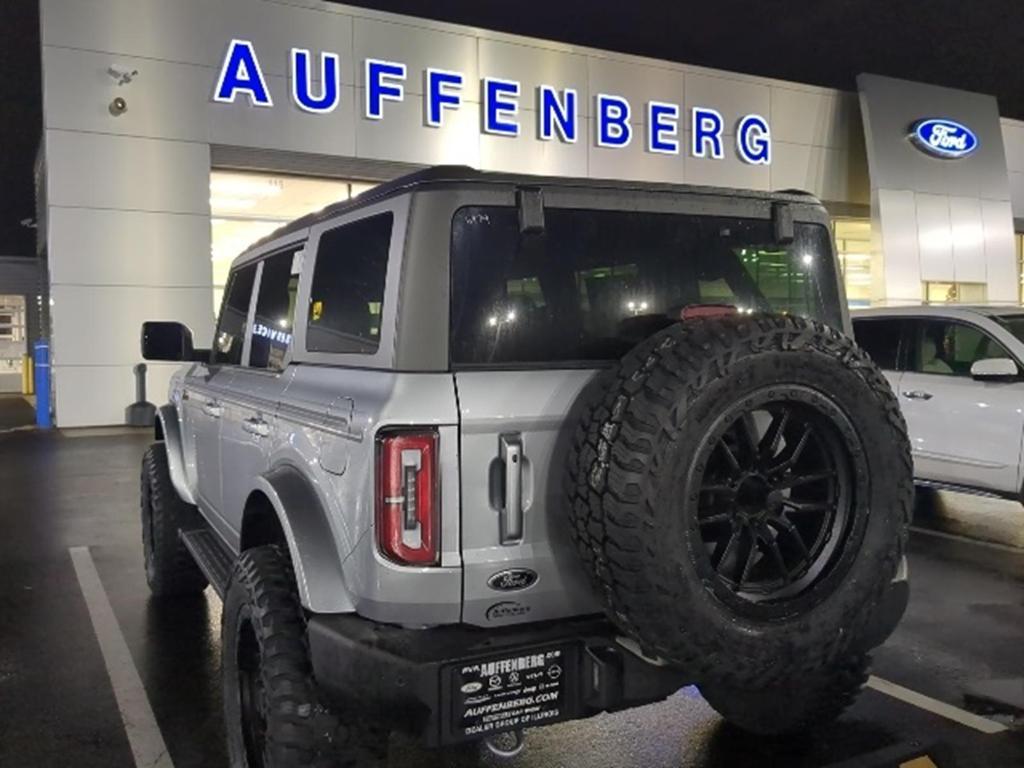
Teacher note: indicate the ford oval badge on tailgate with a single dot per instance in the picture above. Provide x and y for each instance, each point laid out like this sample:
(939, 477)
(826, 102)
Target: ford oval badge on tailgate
(943, 138)
(512, 579)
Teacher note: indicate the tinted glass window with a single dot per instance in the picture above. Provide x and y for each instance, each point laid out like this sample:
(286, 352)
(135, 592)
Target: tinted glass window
(348, 287)
(949, 348)
(880, 339)
(595, 283)
(230, 336)
(275, 311)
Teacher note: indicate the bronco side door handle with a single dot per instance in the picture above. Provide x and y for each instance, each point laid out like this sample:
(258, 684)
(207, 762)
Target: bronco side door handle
(213, 409)
(511, 514)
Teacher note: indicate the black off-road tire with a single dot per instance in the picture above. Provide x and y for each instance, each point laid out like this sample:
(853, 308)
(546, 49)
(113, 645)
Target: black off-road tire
(267, 673)
(796, 707)
(170, 569)
(634, 485)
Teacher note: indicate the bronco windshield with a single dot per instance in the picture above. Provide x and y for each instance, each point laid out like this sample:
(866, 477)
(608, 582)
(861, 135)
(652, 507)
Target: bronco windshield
(596, 282)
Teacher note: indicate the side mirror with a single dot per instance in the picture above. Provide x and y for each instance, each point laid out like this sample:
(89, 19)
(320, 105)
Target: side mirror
(163, 340)
(994, 369)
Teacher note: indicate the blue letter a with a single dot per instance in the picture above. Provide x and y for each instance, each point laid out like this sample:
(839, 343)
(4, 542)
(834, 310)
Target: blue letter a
(241, 74)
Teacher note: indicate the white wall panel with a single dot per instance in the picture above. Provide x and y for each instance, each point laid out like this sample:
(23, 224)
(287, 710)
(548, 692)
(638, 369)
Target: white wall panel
(968, 236)
(935, 238)
(99, 325)
(1013, 141)
(198, 31)
(730, 171)
(733, 97)
(1017, 194)
(532, 66)
(418, 48)
(103, 171)
(285, 126)
(637, 82)
(634, 162)
(91, 246)
(815, 118)
(528, 155)
(896, 219)
(824, 172)
(94, 395)
(402, 135)
(1000, 255)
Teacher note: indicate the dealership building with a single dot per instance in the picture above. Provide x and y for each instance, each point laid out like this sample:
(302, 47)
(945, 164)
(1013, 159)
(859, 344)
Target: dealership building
(176, 132)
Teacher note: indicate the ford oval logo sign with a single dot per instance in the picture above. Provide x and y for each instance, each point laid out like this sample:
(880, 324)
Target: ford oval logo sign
(944, 138)
(512, 580)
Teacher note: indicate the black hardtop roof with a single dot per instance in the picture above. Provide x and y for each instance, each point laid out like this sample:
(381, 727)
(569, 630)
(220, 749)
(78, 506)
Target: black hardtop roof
(440, 175)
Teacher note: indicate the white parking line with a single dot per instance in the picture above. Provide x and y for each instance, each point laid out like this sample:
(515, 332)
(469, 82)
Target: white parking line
(936, 707)
(143, 733)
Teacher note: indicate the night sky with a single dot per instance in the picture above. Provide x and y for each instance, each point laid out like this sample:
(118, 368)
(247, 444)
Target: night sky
(977, 45)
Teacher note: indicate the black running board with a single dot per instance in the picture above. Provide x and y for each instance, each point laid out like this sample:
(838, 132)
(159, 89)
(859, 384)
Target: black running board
(213, 558)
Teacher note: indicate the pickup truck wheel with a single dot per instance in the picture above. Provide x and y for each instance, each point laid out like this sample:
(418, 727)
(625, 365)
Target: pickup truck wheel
(796, 707)
(170, 569)
(274, 716)
(740, 490)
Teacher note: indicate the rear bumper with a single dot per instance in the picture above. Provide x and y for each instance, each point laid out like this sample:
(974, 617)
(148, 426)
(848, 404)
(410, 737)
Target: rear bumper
(457, 683)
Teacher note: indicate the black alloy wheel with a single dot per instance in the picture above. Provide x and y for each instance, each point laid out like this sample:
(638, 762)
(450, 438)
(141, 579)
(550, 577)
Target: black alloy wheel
(775, 500)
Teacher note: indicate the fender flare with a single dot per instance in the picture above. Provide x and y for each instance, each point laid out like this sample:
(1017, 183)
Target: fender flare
(169, 426)
(315, 557)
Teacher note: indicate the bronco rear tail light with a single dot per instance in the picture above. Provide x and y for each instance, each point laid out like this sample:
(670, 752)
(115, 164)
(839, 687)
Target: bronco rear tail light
(408, 497)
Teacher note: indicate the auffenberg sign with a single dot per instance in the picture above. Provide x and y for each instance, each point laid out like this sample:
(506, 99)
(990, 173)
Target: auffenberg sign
(615, 120)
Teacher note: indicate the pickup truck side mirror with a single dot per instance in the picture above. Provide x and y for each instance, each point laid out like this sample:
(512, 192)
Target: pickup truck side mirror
(994, 369)
(162, 340)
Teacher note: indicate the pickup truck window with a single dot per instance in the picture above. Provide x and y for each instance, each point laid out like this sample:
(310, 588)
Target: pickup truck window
(949, 348)
(880, 339)
(347, 294)
(595, 283)
(234, 312)
(275, 310)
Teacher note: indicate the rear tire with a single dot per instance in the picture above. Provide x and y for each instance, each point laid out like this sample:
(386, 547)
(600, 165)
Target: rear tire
(705, 449)
(273, 713)
(799, 706)
(170, 569)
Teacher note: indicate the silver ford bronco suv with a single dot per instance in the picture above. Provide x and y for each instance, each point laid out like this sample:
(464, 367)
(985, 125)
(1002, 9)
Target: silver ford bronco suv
(478, 452)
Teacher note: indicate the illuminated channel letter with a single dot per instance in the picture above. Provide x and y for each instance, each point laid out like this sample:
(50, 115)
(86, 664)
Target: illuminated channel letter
(707, 129)
(500, 106)
(383, 83)
(556, 116)
(443, 92)
(663, 127)
(302, 82)
(613, 128)
(241, 73)
(754, 140)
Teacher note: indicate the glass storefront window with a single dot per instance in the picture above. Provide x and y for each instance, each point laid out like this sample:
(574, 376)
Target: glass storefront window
(246, 207)
(955, 293)
(853, 246)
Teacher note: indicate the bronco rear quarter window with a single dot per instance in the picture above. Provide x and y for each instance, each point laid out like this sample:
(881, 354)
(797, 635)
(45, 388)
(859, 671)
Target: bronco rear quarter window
(594, 283)
(347, 294)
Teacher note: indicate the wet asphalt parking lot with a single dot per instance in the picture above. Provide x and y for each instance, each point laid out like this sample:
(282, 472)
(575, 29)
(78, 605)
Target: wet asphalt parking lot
(65, 493)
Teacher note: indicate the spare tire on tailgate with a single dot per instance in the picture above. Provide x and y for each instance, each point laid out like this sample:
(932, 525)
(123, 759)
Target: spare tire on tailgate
(740, 491)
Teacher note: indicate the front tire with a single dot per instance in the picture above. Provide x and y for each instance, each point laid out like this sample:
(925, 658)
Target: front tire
(170, 569)
(274, 716)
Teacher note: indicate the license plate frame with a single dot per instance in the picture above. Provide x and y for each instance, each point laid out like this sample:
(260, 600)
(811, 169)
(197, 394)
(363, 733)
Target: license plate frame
(520, 688)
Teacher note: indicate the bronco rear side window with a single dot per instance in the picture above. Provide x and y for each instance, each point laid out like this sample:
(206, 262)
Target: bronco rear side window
(595, 283)
(347, 295)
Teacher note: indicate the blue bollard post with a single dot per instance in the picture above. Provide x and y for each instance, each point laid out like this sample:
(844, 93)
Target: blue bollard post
(42, 377)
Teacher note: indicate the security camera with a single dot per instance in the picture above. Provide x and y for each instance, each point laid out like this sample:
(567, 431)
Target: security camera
(118, 106)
